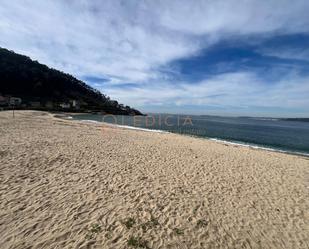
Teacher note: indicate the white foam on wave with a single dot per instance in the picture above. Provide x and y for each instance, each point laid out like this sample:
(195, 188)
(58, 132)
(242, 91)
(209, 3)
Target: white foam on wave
(138, 128)
(266, 119)
(124, 126)
(257, 147)
(90, 121)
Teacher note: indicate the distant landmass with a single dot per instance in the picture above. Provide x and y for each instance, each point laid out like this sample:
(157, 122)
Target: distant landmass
(296, 119)
(27, 84)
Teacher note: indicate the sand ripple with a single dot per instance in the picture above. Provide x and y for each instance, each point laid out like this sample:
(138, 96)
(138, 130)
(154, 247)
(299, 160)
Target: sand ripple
(66, 184)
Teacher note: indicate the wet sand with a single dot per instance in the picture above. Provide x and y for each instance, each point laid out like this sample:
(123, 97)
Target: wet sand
(71, 184)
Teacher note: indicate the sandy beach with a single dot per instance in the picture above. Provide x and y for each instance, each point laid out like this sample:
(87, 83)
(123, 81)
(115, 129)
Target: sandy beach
(71, 184)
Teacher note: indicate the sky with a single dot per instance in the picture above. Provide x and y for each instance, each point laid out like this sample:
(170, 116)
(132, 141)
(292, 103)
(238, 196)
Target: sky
(217, 57)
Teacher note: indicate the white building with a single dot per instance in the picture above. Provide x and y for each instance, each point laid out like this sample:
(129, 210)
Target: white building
(15, 101)
(65, 105)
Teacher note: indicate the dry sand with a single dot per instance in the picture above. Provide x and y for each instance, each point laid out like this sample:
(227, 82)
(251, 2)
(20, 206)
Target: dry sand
(68, 184)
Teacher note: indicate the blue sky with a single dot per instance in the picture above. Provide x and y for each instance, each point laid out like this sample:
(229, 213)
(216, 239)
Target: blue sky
(244, 57)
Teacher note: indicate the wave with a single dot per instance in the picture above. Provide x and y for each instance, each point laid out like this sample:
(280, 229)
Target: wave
(266, 119)
(137, 128)
(90, 121)
(124, 126)
(238, 143)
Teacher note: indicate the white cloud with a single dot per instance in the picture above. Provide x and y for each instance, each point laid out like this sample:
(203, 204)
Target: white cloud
(231, 90)
(130, 40)
(235, 16)
(89, 38)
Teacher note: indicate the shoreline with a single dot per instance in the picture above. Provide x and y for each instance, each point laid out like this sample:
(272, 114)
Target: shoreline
(217, 140)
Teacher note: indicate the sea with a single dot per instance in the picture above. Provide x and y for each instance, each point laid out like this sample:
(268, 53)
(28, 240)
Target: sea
(284, 135)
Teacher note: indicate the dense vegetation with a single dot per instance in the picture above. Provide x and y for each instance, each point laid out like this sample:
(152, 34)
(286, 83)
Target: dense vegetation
(31, 81)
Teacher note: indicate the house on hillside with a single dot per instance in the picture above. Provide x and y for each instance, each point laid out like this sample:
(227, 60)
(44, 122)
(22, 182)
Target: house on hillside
(75, 104)
(65, 105)
(14, 101)
(4, 101)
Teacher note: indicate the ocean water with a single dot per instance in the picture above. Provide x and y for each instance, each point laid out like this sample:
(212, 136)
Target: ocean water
(275, 134)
